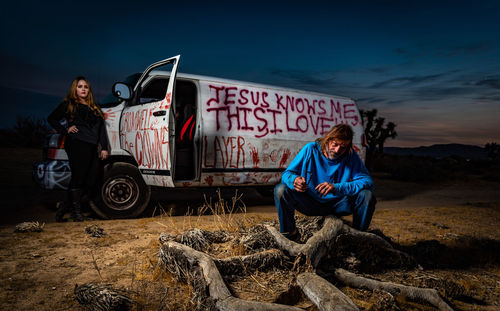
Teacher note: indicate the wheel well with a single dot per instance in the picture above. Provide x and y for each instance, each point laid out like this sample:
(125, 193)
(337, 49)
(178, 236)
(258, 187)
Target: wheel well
(120, 158)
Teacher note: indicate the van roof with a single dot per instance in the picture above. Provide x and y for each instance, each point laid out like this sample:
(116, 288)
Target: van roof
(230, 81)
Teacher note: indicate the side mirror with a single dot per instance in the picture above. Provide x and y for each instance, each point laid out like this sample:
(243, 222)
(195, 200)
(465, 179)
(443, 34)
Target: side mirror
(122, 91)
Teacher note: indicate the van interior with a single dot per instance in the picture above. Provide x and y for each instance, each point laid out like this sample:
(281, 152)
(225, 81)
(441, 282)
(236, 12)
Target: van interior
(185, 122)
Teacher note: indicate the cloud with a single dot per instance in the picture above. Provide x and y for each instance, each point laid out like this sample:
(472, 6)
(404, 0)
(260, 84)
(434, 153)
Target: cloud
(493, 82)
(371, 101)
(466, 49)
(444, 49)
(401, 51)
(437, 93)
(401, 81)
(302, 77)
(379, 69)
(490, 97)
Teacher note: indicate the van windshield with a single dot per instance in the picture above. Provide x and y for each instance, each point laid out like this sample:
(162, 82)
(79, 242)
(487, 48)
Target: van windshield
(110, 100)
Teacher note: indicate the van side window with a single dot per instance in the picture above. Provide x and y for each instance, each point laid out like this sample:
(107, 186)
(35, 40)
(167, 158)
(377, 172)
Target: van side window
(154, 91)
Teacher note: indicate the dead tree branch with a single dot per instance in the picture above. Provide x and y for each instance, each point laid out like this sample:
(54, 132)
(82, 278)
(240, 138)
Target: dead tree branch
(426, 294)
(316, 247)
(217, 288)
(324, 294)
(262, 261)
(333, 241)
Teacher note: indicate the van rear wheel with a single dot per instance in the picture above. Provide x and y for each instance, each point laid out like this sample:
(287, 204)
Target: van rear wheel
(122, 193)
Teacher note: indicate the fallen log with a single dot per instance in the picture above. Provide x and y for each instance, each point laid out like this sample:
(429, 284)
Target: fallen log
(218, 291)
(334, 236)
(291, 247)
(176, 251)
(316, 247)
(324, 294)
(237, 304)
(242, 265)
(360, 252)
(425, 294)
(373, 238)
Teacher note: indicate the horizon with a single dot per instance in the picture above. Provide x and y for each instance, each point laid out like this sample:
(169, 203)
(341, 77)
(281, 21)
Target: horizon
(430, 67)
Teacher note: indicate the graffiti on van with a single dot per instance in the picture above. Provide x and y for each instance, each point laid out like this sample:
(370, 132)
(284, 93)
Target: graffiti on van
(144, 136)
(265, 113)
(59, 177)
(238, 152)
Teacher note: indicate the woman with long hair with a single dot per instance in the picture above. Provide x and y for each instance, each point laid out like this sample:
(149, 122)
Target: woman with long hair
(86, 142)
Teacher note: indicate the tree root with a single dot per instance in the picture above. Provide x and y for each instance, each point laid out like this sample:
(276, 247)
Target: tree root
(320, 243)
(244, 265)
(171, 251)
(315, 248)
(323, 294)
(426, 294)
(333, 239)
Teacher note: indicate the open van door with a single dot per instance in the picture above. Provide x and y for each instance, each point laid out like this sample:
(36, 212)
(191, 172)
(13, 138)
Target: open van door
(147, 129)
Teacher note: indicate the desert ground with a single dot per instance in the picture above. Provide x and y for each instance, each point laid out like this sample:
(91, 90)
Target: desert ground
(451, 227)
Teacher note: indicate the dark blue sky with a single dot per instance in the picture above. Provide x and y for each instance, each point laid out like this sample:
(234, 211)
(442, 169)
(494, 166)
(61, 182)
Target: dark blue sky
(432, 67)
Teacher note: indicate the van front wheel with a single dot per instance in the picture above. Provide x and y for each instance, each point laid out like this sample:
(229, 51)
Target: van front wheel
(122, 193)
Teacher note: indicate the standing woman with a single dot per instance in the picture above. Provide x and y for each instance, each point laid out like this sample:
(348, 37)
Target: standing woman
(86, 142)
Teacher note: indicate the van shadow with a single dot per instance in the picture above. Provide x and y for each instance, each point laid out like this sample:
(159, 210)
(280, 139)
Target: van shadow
(191, 201)
(462, 252)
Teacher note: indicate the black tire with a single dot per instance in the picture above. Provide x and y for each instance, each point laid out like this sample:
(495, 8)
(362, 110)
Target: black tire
(122, 192)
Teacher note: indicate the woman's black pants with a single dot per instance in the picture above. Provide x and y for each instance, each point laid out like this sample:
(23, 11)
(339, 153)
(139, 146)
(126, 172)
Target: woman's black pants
(84, 164)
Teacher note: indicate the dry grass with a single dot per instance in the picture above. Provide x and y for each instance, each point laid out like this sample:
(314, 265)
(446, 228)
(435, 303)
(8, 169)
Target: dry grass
(156, 289)
(128, 258)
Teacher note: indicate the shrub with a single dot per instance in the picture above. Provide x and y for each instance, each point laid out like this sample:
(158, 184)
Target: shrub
(27, 132)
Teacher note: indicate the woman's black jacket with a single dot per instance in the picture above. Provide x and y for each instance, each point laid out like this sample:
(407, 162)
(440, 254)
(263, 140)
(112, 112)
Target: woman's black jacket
(91, 128)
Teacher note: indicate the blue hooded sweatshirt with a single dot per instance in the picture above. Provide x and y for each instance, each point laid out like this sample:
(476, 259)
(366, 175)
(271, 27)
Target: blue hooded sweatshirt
(347, 173)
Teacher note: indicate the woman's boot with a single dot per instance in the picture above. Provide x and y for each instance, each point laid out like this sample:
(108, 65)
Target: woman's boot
(62, 209)
(76, 205)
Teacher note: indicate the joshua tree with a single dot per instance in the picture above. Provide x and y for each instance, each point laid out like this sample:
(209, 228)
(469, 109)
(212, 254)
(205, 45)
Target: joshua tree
(376, 134)
(493, 150)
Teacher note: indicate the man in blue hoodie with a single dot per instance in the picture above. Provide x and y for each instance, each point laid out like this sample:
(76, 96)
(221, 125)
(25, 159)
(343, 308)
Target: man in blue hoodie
(327, 177)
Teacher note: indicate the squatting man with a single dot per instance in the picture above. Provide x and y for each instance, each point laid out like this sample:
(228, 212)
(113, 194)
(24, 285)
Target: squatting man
(327, 177)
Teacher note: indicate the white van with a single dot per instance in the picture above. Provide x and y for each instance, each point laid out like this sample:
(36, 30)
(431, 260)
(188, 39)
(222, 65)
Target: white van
(178, 130)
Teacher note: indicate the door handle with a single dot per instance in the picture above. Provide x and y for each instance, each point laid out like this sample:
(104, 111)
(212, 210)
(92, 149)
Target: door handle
(159, 113)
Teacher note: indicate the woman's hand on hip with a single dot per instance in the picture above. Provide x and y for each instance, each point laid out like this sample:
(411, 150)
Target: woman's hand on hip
(104, 154)
(72, 129)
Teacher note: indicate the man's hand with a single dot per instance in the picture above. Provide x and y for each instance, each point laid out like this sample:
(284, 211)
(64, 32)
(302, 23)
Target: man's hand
(299, 184)
(324, 188)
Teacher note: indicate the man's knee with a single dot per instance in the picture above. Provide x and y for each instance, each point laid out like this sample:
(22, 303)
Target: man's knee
(280, 190)
(367, 197)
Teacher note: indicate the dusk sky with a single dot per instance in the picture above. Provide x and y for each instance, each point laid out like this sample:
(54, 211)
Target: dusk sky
(431, 67)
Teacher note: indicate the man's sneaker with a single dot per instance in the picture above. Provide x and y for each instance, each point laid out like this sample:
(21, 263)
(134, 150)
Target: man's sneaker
(293, 236)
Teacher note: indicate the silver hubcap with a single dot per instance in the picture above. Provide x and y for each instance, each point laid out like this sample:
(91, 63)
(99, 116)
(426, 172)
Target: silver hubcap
(121, 193)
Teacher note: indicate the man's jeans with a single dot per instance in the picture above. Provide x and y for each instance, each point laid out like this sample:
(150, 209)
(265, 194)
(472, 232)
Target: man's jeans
(287, 201)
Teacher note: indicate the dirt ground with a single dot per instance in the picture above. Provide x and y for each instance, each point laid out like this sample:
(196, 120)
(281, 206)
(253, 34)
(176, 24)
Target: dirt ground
(452, 228)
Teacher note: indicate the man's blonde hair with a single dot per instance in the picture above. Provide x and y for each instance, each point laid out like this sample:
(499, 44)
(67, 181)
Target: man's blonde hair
(341, 132)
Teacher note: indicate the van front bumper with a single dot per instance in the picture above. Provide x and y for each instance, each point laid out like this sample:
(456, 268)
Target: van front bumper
(52, 174)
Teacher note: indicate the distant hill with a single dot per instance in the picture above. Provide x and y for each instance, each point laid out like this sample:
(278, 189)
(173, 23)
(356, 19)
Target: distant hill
(442, 151)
